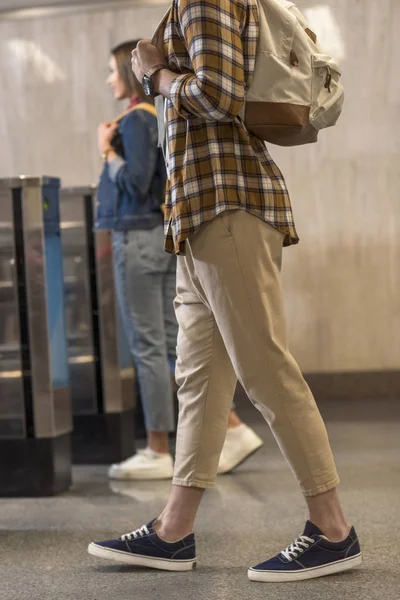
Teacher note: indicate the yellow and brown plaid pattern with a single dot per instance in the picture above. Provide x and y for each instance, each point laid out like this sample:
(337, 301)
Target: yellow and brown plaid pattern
(215, 164)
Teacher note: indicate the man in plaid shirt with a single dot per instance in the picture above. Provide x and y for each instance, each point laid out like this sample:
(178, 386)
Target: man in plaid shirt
(228, 215)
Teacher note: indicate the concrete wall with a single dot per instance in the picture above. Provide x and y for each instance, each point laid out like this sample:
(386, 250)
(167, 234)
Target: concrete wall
(342, 283)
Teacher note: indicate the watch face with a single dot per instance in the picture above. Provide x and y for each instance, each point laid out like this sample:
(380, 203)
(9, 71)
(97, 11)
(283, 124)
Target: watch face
(147, 85)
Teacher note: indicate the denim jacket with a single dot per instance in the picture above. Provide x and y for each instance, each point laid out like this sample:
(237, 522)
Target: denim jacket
(132, 189)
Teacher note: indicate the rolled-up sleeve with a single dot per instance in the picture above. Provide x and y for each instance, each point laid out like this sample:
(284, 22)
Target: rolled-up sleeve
(212, 32)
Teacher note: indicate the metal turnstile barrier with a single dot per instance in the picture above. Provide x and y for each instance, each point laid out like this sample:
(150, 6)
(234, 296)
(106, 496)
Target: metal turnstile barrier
(35, 410)
(103, 382)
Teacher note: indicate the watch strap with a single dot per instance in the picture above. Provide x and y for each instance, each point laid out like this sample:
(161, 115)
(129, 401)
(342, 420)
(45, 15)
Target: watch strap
(154, 70)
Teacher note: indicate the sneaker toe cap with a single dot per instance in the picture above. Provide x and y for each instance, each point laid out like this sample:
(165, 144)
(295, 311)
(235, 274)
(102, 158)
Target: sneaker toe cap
(112, 545)
(273, 564)
(117, 472)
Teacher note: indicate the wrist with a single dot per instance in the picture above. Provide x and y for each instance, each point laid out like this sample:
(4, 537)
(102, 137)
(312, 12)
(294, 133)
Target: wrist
(107, 150)
(156, 80)
(151, 79)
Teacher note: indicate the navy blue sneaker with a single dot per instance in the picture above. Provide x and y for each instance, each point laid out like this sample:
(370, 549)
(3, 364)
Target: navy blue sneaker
(311, 555)
(144, 548)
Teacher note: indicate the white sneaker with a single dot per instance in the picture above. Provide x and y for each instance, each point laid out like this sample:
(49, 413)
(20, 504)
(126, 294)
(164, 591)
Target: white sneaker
(146, 464)
(240, 443)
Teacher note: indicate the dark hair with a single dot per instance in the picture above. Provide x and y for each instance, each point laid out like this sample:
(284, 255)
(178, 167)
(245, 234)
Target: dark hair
(122, 54)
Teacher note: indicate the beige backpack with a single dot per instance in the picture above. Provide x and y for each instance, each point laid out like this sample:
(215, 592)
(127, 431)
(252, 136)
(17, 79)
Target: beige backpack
(295, 90)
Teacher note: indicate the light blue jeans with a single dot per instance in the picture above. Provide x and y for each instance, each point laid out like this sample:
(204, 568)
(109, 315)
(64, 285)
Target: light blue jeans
(145, 279)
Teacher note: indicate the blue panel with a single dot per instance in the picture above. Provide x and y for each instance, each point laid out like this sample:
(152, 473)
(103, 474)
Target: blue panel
(51, 209)
(55, 288)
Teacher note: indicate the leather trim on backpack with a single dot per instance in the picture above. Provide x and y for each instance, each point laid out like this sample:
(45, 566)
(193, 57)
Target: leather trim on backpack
(311, 35)
(276, 113)
(279, 123)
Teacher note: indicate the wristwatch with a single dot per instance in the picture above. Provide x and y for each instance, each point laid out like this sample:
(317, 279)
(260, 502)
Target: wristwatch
(147, 81)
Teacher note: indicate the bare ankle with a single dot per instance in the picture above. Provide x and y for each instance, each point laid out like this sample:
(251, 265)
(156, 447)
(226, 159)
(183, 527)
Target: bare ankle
(158, 441)
(334, 531)
(177, 519)
(234, 420)
(326, 513)
(170, 531)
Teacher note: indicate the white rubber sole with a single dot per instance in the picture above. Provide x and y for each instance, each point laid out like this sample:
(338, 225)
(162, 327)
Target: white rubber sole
(281, 577)
(162, 564)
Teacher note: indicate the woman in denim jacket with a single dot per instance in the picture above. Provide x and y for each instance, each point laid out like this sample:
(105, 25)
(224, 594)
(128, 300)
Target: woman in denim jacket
(130, 195)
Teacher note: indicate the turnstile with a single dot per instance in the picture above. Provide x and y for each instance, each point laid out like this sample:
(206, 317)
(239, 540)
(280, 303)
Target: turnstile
(35, 410)
(103, 382)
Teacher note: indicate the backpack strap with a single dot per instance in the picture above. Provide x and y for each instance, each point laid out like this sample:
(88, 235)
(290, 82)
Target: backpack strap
(146, 106)
(141, 106)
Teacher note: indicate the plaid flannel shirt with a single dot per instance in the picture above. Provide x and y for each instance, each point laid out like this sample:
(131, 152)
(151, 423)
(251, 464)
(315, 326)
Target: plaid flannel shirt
(214, 163)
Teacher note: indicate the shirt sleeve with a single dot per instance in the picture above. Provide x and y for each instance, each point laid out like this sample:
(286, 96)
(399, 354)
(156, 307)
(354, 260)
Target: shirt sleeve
(212, 32)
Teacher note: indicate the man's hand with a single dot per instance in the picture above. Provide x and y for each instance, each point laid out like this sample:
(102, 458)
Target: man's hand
(105, 134)
(144, 57)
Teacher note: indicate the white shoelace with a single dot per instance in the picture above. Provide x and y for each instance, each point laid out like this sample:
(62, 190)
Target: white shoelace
(294, 550)
(133, 535)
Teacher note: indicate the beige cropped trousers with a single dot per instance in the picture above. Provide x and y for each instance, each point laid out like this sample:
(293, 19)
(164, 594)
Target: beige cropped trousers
(230, 312)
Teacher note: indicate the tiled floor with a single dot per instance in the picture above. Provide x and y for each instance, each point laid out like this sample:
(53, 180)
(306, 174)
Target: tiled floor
(248, 516)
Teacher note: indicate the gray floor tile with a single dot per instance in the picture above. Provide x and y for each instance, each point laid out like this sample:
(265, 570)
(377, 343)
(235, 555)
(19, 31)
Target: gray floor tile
(248, 516)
